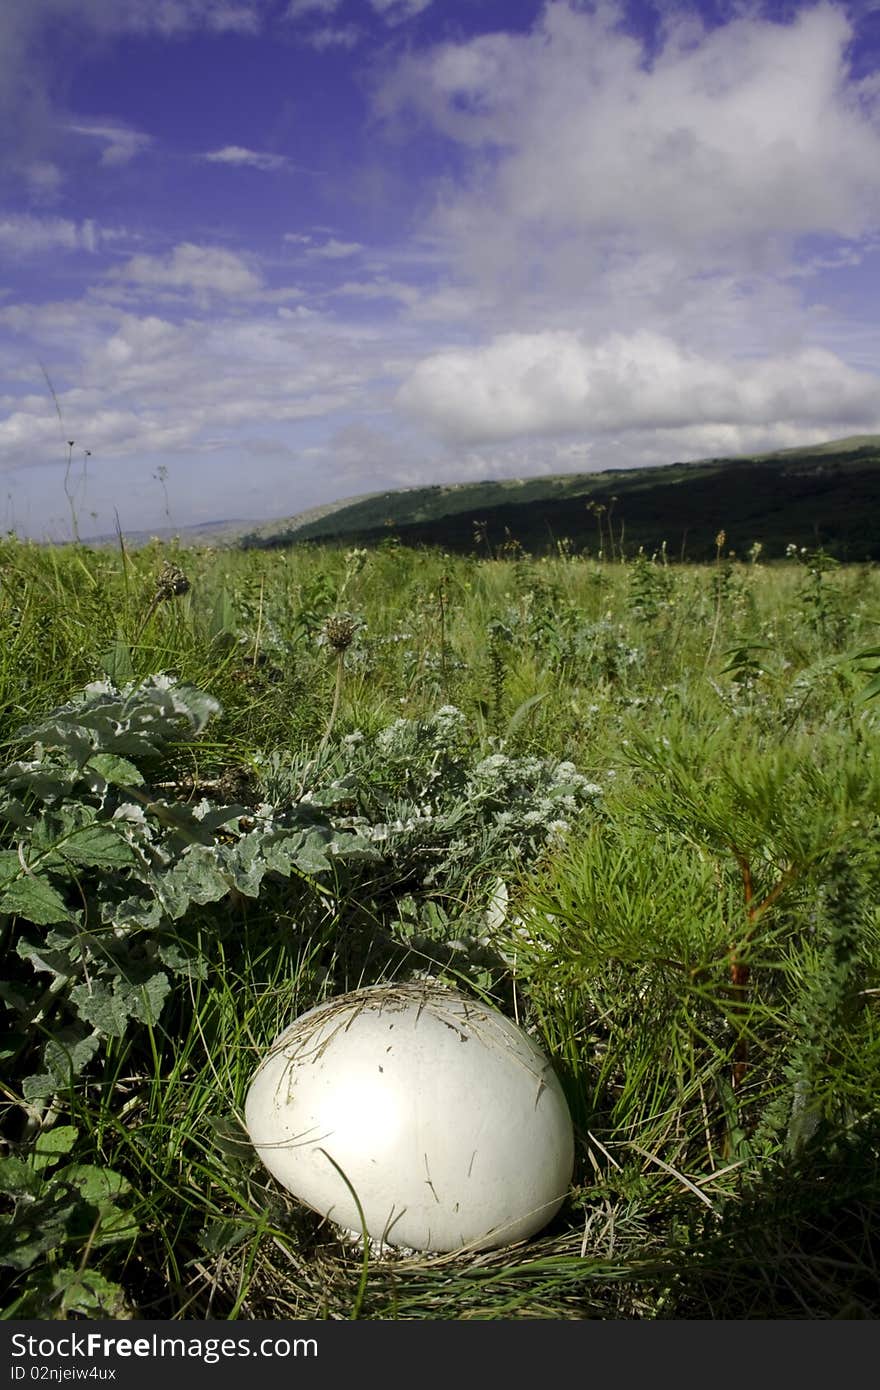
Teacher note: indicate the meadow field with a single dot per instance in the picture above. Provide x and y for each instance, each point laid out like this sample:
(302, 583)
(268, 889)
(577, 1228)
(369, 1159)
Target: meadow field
(634, 804)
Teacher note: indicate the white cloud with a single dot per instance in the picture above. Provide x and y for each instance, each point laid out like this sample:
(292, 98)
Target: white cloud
(239, 154)
(190, 267)
(25, 235)
(729, 143)
(129, 383)
(380, 288)
(121, 144)
(556, 382)
(334, 250)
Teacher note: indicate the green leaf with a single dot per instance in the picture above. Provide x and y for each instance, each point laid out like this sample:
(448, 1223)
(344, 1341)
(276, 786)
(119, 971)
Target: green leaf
(221, 624)
(871, 690)
(108, 1009)
(53, 962)
(18, 1179)
(88, 1293)
(100, 1006)
(66, 1055)
(182, 961)
(59, 1140)
(13, 813)
(244, 863)
(523, 710)
(116, 661)
(195, 878)
(40, 1086)
(311, 854)
(95, 1185)
(133, 912)
(33, 1229)
(35, 899)
(230, 1138)
(44, 781)
(119, 772)
(10, 867)
(98, 846)
(64, 735)
(221, 1235)
(145, 1000)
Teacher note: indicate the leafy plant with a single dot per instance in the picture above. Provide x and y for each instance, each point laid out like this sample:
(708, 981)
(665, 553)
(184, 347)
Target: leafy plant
(102, 865)
(61, 1206)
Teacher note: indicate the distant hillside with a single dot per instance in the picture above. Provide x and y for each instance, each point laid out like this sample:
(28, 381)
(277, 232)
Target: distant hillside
(216, 533)
(827, 494)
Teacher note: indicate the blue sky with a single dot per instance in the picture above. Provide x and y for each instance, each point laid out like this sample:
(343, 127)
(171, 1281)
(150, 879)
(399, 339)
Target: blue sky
(270, 253)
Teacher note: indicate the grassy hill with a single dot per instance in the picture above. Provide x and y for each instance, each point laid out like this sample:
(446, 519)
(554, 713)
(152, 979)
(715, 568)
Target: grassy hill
(827, 494)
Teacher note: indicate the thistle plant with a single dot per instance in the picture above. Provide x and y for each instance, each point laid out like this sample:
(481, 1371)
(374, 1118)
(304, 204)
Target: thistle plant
(338, 634)
(171, 583)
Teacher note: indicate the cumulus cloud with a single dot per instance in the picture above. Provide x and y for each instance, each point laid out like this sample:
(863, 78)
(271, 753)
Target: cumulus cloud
(556, 382)
(194, 268)
(129, 379)
(738, 137)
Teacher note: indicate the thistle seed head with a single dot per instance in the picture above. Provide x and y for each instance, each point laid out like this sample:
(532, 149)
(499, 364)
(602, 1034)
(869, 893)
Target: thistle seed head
(339, 630)
(171, 582)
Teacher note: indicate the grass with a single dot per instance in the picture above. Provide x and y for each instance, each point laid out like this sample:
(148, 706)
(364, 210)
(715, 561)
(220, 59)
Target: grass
(697, 949)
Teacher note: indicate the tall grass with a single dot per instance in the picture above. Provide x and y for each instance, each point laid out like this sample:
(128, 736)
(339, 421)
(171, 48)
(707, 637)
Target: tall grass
(698, 953)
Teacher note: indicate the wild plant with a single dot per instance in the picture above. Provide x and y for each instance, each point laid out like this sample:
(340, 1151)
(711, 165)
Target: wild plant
(690, 912)
(721, 589)
(102, 865)
(822, 610)
(338, 634)
(500, 639)
(171, 583)
(64, 1213)
(649, 587)
(823, 1077)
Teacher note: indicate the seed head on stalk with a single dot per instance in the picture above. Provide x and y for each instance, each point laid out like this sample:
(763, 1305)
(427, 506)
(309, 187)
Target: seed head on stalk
(337, 633)
(171, 583)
